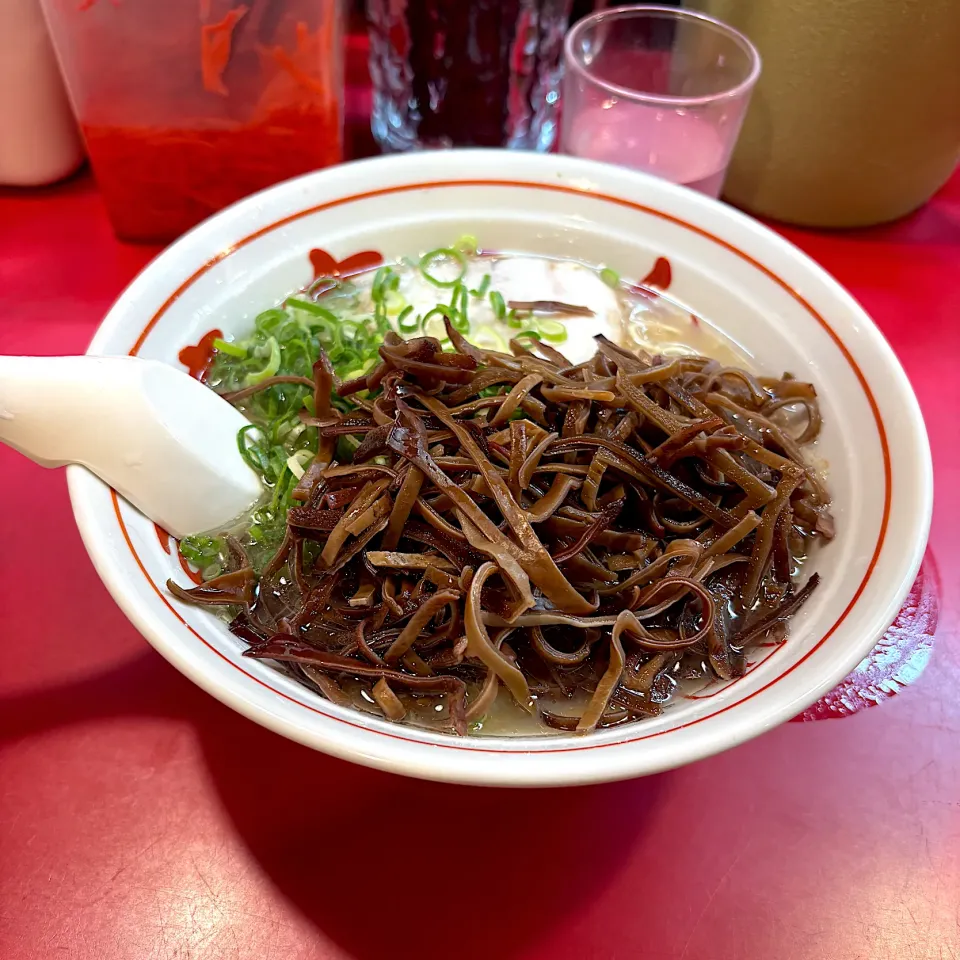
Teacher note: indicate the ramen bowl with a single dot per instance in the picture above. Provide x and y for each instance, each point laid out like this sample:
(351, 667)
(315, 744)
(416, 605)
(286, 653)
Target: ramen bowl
(779, 308)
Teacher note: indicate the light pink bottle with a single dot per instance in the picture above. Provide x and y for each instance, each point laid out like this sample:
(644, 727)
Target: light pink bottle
(39, 142)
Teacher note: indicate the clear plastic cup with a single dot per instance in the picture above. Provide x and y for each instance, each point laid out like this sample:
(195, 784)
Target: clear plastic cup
(658, 89)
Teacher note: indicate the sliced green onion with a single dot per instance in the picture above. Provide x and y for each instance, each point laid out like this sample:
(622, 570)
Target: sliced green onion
(376, 289)
(345, 447)
(467, 244)
(394, 302)
(498, 305)
(279, 429)
(270, 368)
(513, 321)
(347, 358)
(363, 369)
(266, 321)
(552, 330)
(404, 324)
(481, 291)
(441, 310)
(610, 277)
(489, 339)
(433, 325)
(305, 349)
(295, 431)
(442, 253)
(297, 461)
(247, 452)
(381, 284)
(201, 551)
(528, 335)
(231, 349)
(352, 330)
(314, 309)
(325, 331)
(280, 489)
(458, 304)
(328, 283)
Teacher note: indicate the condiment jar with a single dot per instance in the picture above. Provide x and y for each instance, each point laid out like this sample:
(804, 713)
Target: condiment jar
(189, 105)
(856, 119)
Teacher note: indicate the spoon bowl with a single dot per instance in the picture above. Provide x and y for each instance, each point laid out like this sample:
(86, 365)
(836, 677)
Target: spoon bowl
(160, 438)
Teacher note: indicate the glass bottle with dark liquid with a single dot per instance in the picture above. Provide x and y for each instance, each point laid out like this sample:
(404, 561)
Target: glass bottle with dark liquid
(481, 73)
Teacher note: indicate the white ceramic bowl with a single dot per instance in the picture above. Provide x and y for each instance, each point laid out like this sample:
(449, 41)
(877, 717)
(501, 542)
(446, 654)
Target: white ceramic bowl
(761, 291)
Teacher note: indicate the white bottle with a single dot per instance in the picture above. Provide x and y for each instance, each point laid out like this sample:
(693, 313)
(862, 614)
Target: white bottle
(39, 141)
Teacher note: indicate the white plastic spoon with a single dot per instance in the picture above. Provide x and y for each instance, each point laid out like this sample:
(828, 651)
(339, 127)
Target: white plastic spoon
(161, 439)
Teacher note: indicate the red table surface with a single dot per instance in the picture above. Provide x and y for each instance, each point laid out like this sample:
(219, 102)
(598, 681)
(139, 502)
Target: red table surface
(142, 820)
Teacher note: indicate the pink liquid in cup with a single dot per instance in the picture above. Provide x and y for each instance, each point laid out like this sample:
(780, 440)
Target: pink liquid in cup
(684, 149)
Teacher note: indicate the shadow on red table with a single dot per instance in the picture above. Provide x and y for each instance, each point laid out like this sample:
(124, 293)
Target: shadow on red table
(334, 837)
(482, 871)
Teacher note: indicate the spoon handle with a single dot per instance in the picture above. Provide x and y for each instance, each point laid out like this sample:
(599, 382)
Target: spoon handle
(161, 439)
(54, 409)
